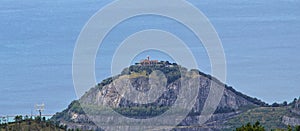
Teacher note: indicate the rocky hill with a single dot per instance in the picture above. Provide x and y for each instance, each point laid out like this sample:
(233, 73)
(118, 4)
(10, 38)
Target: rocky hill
(232, 104)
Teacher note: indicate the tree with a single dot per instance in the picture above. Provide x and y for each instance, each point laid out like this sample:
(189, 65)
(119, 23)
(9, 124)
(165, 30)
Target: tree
(249, 127)
(18, 119)
(37, 119)
(284, 103)
(289, 128)
(275, 105)
(26, 117)
(294, 103)
(44, 119)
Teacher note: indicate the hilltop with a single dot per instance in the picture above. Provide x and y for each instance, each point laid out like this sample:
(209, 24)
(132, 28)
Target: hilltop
(232, 108)
(30, 124)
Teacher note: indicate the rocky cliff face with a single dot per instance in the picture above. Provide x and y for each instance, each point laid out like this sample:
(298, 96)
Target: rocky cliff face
(107, 94)
(292, 121)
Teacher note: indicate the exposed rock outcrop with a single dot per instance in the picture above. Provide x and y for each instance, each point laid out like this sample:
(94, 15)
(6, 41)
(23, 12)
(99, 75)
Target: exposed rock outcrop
(107, 94)
(290, 121)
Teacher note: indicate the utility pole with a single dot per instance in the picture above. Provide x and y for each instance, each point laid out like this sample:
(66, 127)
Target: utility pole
(31, 114)
(40, 108)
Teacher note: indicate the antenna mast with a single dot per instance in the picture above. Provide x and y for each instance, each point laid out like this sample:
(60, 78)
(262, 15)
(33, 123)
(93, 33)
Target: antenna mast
(40, 108)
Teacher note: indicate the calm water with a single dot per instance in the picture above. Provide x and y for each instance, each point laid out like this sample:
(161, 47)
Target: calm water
(260, 38)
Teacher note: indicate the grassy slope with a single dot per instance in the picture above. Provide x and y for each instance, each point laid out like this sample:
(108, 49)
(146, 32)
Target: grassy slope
(269, 117)
(30, 125)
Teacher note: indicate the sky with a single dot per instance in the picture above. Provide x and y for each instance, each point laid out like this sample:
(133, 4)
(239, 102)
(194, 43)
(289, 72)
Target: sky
(37, 40)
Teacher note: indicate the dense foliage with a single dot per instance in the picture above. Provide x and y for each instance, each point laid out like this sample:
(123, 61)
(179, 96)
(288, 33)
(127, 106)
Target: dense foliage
(171, 71)
(258, 127)
(224, 110)
(73, 107)
(141, 112)
(249, 127)
(270, 117)
(31, 124)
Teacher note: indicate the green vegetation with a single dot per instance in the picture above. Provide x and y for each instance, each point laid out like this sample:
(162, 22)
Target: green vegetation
(73, 107)
(294, 103)
(171, 71)
(249, 127)
(34, 124)
(105, 82)
(269, 117)
(224, 110)
(136, 112)
(258, 127)
(30, 124)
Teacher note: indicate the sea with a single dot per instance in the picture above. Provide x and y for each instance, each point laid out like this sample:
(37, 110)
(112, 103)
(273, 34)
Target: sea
(261, 41)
